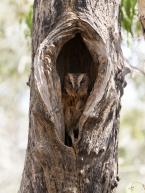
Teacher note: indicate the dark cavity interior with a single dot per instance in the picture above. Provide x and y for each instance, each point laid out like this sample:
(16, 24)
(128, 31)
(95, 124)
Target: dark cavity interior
(75, 57)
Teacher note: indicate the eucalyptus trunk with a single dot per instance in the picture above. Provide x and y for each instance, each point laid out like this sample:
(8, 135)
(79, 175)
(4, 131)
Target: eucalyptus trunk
(74, 36)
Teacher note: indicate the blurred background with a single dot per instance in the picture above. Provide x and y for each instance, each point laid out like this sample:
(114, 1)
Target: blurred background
(15, 63)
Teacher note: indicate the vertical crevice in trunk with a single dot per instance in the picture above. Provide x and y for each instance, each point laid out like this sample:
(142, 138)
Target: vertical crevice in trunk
(74, 37)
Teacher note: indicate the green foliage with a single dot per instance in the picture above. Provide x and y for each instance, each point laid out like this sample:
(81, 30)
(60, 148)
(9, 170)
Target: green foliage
(15, 32)
(28, 18)
(23, 13)
(128, 16)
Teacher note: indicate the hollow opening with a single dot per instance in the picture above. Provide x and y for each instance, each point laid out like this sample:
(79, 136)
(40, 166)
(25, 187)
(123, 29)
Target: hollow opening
(75, 57)
(68, 140)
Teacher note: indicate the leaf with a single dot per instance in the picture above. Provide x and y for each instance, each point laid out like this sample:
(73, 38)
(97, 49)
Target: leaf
(128, 13)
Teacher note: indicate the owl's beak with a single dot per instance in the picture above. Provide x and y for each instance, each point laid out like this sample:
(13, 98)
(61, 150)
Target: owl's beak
(77, 89)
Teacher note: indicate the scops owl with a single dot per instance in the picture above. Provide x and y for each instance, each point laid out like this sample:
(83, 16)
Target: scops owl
(74, 97)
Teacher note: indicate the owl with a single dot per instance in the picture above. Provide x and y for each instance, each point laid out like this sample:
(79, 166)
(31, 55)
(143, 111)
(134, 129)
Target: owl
(76, 84)
(74, 96)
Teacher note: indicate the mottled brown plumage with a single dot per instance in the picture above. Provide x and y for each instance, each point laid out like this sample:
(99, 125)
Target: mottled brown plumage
(74, 97)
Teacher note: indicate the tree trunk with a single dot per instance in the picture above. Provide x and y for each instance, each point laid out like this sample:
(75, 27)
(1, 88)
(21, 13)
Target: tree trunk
(74, 36)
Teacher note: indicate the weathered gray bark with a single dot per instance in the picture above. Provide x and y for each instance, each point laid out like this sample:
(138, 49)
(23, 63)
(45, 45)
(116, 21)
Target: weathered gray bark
(90, 166)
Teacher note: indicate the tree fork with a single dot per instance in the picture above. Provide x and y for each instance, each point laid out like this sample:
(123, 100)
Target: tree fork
(74, 36)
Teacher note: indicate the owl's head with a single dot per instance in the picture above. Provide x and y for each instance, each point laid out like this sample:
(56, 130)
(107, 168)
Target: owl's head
(76, 84)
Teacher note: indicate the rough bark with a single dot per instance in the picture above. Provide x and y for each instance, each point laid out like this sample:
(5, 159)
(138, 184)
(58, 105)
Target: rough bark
(90, 166)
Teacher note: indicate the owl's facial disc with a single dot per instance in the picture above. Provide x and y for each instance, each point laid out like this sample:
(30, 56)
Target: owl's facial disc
(76, 84)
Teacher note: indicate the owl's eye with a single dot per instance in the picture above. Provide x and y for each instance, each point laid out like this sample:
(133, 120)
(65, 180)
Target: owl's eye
(69, 82)
(82, 81)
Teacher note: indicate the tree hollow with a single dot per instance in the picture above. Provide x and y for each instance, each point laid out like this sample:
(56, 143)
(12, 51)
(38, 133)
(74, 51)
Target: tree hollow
(74, 57)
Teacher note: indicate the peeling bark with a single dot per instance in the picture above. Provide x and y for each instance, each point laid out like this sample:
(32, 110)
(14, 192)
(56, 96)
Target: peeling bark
(91, 164)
